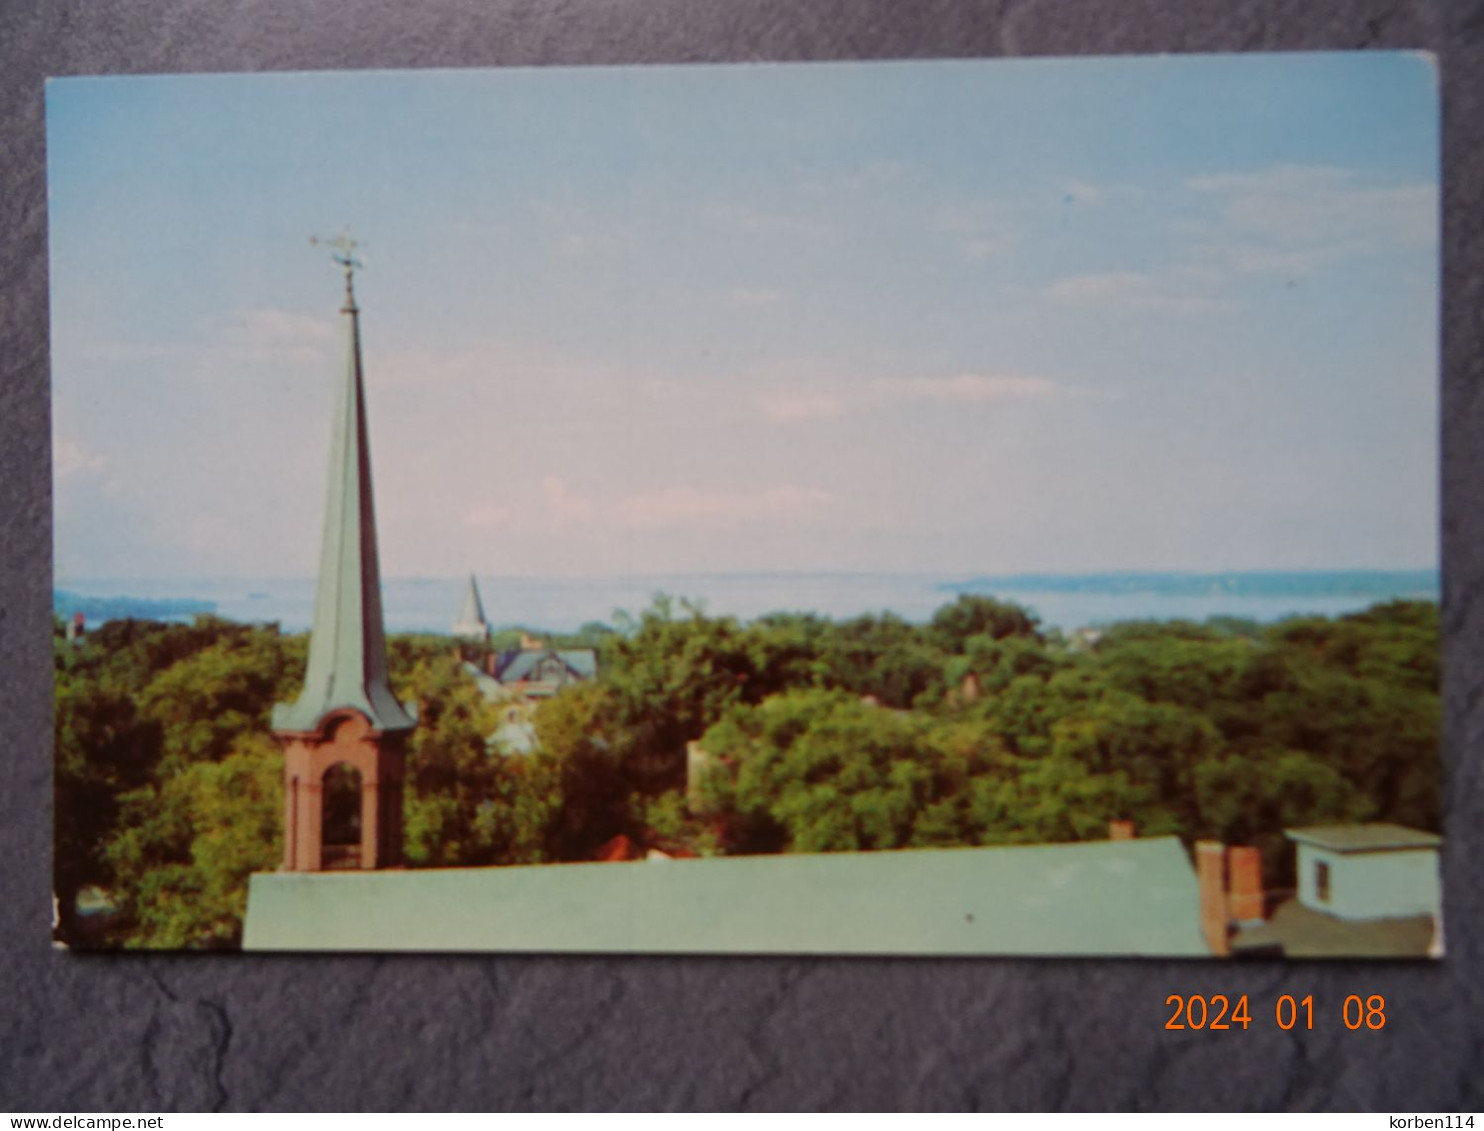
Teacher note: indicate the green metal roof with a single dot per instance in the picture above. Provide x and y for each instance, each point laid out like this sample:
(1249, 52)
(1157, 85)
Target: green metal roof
(520, 664)
(1135, 897)
(1378, 837)
(347, 650)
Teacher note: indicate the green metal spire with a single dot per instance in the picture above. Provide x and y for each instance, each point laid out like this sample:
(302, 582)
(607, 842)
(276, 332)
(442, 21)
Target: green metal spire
(347, 650)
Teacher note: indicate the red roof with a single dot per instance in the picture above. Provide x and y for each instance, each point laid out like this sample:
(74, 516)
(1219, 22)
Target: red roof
(620, 847)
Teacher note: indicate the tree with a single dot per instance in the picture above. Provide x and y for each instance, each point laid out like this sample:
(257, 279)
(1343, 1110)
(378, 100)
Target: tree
(821, 771)
(883, 657)
(1057, 799)
(168, 784)
(103, 752)
(1156, 746)
(187, 845)
(670, 678)
(1251, 799)
(140, 707)
(971, 615)
(206, 699)
(997, 662)
(581, 755)
(468, 803)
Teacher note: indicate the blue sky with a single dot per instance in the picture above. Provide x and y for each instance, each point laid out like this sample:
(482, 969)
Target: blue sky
(1172, 313)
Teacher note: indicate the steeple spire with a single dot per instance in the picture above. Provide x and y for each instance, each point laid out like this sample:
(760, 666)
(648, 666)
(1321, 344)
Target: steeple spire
(343, 251)
(471, 623)
(347, 649)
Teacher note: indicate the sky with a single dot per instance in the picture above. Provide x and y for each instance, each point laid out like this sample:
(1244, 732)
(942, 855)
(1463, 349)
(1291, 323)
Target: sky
(1175, 313)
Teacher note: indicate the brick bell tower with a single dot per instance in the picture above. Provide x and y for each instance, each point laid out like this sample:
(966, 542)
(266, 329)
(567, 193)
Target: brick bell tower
(344, 738)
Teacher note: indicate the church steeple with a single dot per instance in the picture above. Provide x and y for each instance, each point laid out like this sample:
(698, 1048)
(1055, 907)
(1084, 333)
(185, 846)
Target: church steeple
(347, 650)
(344, 738)
(471, 624)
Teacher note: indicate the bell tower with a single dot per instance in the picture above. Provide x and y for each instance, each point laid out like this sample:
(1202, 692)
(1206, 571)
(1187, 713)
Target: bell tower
(344, 738)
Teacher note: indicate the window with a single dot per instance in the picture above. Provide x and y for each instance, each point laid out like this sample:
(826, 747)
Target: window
(1321, 881)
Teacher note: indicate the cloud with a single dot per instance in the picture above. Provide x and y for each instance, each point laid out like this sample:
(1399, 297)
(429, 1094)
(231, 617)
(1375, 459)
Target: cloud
(758, 222)
(966, 388)
(485, 363)
(979, 230)
(1130, 290)
(795, 406)
(1298, 218)
(211, 534)
(680, 506)
(247, 335)
(788, 407)
(267, 333)
(1083, 192)
(1289, 219)
(486, 516)
(864, 178)
(580, 232)
(564, 505)
(487, 230)
(70, 460)
(753, 296)
(573, 244)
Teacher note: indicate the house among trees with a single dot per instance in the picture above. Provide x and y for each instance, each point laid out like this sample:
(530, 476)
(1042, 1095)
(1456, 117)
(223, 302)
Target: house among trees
(539, 672)
(533, 670)
(516, 680)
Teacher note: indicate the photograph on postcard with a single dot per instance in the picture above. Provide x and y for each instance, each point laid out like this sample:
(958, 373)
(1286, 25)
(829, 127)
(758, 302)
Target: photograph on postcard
(943, 508)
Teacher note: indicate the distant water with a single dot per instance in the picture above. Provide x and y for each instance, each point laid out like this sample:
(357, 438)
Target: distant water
(1065, 601)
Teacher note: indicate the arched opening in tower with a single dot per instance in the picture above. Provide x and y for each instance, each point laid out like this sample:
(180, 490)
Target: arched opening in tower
(341, 817)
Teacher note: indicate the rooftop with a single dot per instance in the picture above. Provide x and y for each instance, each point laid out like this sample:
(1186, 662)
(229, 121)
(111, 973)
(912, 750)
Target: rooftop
(1135, 897)
(520, 664)
(1305, 933)
(1363, 838)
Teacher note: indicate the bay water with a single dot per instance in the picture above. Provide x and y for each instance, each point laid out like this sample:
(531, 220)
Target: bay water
(563, 604)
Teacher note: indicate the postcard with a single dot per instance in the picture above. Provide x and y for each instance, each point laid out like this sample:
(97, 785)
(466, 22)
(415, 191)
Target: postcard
(928, 508)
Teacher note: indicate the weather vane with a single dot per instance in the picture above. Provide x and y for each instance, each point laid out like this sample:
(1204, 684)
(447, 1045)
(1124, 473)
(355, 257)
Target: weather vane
(343, 251)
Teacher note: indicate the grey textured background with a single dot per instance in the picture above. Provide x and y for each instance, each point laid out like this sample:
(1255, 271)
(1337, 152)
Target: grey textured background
(184, 1032)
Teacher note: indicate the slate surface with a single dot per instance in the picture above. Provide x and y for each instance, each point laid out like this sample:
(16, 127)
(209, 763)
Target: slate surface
(160, 1033)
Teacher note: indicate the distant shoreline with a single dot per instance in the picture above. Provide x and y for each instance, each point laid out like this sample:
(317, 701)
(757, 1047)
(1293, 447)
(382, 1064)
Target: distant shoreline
(1237, 583)
(564, 604)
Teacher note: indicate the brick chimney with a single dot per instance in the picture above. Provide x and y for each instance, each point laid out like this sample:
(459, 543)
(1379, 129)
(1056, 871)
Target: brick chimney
(1121, 830)
(1245, 902)
(1210, 872)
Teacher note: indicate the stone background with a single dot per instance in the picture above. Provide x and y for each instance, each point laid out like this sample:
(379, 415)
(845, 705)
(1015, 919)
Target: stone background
(121, 1033)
